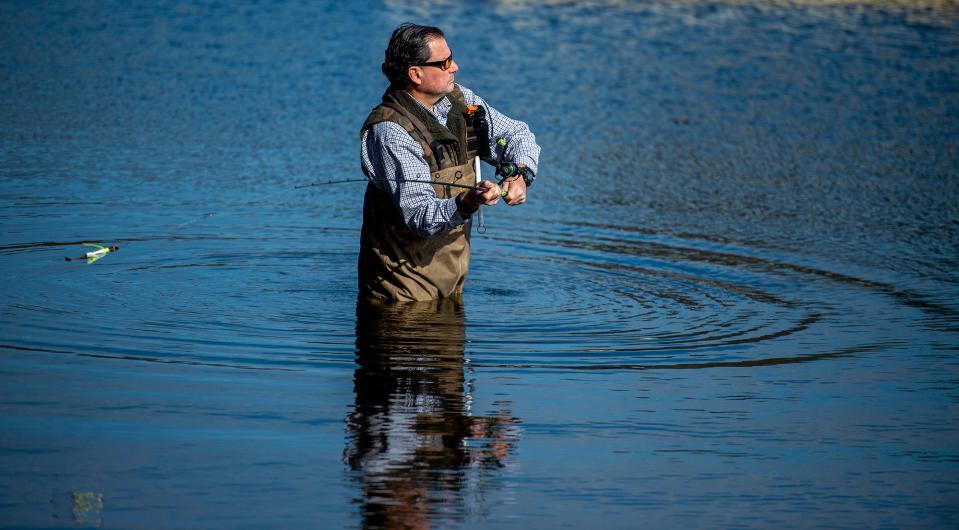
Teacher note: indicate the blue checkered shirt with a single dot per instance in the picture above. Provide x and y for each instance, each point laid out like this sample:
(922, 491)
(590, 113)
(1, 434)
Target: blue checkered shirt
(392, 156)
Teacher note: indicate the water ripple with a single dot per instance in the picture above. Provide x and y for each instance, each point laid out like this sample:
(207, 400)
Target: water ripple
(605, 297)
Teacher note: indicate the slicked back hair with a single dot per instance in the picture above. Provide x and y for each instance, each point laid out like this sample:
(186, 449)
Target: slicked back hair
(409, 46)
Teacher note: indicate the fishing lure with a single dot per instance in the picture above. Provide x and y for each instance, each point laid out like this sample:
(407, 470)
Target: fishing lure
(94, 255)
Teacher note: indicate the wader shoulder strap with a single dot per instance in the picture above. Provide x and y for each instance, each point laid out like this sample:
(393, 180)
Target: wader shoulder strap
(443, 146)
(435, 146)
(416, 122)
(432, 151)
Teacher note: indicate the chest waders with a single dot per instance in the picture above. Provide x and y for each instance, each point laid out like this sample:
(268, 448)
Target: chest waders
(396, 263)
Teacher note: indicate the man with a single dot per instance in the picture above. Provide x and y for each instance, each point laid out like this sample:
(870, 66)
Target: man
(415, 240)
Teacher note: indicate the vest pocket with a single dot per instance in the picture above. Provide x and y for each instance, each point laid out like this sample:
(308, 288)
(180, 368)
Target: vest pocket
(463, 175)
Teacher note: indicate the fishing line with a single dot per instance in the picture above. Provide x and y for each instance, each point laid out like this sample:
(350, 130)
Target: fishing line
(194, 221)
(102, 250)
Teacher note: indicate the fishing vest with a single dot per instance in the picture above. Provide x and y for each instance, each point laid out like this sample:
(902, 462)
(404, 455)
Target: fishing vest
(396, 263)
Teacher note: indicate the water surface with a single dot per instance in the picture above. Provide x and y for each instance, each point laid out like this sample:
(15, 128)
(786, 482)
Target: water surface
(731, 300)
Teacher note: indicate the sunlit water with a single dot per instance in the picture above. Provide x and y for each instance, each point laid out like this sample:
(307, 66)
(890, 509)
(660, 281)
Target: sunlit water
(731, 300)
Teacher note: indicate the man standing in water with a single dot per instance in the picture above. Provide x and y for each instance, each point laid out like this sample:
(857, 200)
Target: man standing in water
(415, 239)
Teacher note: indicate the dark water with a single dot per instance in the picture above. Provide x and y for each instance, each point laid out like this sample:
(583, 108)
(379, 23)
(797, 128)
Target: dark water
(731, 301)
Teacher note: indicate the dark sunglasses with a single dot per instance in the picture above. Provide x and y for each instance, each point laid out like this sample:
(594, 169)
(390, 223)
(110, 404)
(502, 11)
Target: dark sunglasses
(443, 65)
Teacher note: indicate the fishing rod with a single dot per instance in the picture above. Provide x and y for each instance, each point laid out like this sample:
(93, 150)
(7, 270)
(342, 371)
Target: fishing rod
(481, 226)
(503, 170)
(423, 181)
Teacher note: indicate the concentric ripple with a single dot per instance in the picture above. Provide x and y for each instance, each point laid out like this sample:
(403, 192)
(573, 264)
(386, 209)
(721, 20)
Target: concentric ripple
(576, 296)
(194, 299)
(617, 297)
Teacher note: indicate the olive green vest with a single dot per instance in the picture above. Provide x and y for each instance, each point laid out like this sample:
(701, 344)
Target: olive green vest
(395, 263)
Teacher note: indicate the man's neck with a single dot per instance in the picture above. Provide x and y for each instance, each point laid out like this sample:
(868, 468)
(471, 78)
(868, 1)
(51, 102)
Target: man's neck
(428, 100)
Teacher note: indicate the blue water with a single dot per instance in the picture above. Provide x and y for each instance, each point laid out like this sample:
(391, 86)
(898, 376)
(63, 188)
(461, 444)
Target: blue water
(731, 300)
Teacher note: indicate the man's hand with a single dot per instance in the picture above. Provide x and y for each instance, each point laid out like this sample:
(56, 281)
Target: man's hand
(470, 200)
(515, 188)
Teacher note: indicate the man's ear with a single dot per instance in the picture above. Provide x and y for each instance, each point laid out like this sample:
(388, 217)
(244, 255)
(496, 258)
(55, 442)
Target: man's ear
(415, 75)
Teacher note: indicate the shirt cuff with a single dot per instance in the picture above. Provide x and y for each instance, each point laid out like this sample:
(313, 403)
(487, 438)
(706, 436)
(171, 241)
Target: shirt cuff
(526, 161)
(454, 213)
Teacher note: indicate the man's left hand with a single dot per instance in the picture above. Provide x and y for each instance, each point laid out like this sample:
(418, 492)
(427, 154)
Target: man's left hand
(515, 188)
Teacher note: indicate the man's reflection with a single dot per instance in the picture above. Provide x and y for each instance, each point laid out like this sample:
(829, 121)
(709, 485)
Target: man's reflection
(413, 440)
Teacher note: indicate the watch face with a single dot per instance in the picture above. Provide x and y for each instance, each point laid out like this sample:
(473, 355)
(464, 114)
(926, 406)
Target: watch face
(528, 175)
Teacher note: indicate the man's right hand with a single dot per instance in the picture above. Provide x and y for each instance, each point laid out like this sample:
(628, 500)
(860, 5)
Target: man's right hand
(470, 200)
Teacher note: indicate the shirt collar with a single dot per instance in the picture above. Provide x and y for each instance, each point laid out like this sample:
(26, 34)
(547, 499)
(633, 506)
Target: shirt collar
(440, 110)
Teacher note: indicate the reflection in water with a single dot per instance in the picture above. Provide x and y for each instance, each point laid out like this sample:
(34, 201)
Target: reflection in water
(419, 453)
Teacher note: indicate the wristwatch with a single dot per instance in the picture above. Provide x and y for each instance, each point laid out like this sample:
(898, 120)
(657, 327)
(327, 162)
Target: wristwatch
(528, 175)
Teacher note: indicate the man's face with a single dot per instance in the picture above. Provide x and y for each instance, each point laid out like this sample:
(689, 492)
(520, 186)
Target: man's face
(433, 80)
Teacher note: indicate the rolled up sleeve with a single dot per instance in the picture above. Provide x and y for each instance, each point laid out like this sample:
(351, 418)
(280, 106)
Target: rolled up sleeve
(392, 158)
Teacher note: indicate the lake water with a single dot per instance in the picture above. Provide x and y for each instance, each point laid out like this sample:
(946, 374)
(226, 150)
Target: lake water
(731, 301)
